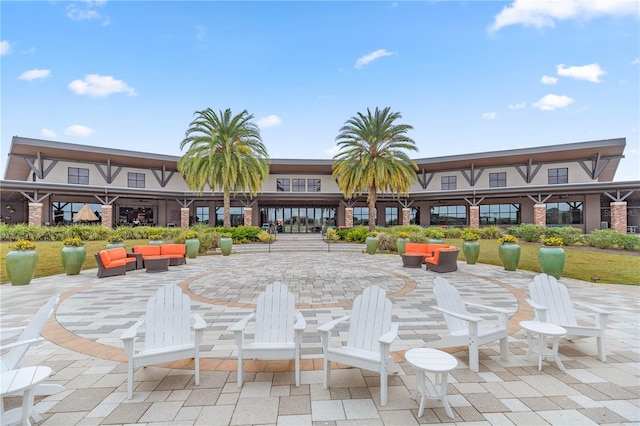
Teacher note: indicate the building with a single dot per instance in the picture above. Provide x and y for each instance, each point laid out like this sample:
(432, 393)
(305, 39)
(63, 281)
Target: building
(47, 182)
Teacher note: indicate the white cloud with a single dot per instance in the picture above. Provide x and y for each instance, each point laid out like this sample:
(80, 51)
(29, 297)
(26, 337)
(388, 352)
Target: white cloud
(5, 47)
(79, 130)
(97, 86)
(546, 79)
(34, 74)
(636, 61)
(367, 59)
(590, 73)
(50, 134)
(540, 14)
(332, 151)
(87, 10)
(269, 121)
(521, 105)
(551, 102)
(489, 115)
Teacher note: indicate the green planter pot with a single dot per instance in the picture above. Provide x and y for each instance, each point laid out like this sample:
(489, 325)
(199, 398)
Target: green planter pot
(21, 266)
(510, 256)
(435, 241)
(225, 246)
(372, 245)
(193, 246)
(115, 245)
(72, 259)
(551, 260)
(156, 242)
(400, 242)
(471, 250)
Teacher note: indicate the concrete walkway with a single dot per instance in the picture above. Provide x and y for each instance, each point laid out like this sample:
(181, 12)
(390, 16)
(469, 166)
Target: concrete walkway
(85, 351)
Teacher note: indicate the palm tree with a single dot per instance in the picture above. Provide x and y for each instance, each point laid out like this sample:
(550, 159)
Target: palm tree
(225, 151)
(372, 156)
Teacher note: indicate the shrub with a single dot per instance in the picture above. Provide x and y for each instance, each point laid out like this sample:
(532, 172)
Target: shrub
(72, 242)
(569, 234)
(386, 242)
(332, 234)
(469, 236)
(22, 245)
(453, 233)
(528, 231)
(155, 235)
(357, 234)
(403, 234)
(507, 239)
(552, 242)
(190, 235)
(115, 238)
(435, 233)
(266, 237)
(609, 239)
(491, 232)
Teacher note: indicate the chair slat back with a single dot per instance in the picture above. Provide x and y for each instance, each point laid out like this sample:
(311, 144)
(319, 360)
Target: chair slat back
(275, 315)
(547, 291)
(11, 360)
(168, 318)
(370, 319)
(447, 297)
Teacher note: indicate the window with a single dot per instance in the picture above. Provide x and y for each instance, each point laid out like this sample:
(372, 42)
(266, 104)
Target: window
(202, 214)
(499, 214)
(298, 185)
(414, 216)
(284, 185)
(361, 216)
(448, 183)
(79, 176)
(449, 215)
(569, 213)
(497, 180)
(391, 216)
(63, 211)
(557, 176)
(135, 180)
(313, 185)
(237, 216)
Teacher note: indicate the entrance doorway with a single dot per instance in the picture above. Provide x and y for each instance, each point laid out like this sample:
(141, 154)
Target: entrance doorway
(298, 220)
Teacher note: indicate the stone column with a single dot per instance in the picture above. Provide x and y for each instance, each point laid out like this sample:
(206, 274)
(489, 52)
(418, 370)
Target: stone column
(348, 217)
(619, 216)
(474, 216)
(184, 217)
(406, 216)
(35, 214)
(107, 216)
(248, 216)
(540, 215)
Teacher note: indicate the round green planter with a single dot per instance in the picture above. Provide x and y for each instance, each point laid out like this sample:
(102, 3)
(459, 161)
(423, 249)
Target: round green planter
(21, 266)
(372, 245)
(115, 245)
(435, 241)
(400, 242)
(471, 250)
(551, 260)
(509, 255)
(72, 259)
(193, 246)
(156, 242)
(225, 246)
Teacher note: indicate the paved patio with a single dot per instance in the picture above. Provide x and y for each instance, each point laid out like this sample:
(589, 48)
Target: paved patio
(85, 351)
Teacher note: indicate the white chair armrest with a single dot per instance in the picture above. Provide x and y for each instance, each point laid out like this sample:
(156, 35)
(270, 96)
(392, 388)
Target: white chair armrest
(327, 327)
(131, 332)
(470, 318)
(11, 330)
(198, 323)
(240, 325)
(388, 337)
(21, 343)
(490, 308)
(535, 305)
(300, 324)
(593, 308)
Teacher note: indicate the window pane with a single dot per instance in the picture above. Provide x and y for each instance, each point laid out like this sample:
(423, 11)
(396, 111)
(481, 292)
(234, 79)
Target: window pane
(448, 182)
(497, 180)
(560, 175)
(283, 185)
(78, 175)
(313, 185)
(135, 180)
(298, 185)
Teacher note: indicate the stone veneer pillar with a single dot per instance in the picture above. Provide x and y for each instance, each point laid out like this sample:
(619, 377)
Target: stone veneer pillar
(619, 216)
(540, 215)
(107, 215)
(406, 216)
(348, 217)
(184, 217)
(474, 216)
(35, 214)
(248, 216)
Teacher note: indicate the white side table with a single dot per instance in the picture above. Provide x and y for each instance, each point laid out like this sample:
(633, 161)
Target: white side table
(427, 360)
(22, 380)
(543, 330)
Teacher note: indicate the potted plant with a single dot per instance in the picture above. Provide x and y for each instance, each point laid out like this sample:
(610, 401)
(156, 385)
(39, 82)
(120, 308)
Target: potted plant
(73, 255)
(193, 244)
(403, 238)
(470, 247)
(509, 252)
(372, 242)
(436, 236)
(226, 243)
(21, 262)
(156, 238)
(551, 256)
(115, 240)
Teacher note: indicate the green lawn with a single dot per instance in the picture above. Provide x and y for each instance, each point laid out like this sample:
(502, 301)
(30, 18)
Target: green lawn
(615, 268)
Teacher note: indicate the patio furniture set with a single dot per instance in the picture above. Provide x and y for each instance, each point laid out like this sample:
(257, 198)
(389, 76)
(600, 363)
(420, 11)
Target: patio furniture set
(436, 257)
(154, 258)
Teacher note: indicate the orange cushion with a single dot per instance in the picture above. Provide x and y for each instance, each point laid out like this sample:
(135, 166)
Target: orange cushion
(117, 253)
(147, 250)
(105, 258)
(173, 249)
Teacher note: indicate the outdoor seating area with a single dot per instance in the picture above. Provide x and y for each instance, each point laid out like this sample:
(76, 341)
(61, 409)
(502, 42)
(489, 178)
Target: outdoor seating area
(331, 373)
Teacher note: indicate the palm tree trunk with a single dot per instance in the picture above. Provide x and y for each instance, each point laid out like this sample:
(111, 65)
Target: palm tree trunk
(227, 210)
(373, 195)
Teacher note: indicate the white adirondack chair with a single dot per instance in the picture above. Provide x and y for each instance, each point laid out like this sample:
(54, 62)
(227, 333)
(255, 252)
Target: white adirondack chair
(278, 329)
(464, 327)
(14, 352)
(371, 333)
(167, 333)
(551, 303)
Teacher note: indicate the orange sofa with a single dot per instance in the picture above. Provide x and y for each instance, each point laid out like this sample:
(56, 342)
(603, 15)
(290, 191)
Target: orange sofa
(443, 260)
(427, 250)
(175, 252)
(115, 261)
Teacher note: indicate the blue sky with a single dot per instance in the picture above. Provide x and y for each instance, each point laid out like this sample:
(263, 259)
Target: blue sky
(468, 76)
